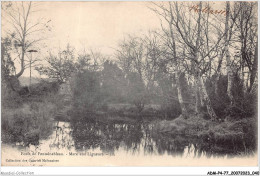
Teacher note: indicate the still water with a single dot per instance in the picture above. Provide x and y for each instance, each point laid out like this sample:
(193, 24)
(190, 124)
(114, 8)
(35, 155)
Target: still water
(91, 142)
(132, 138)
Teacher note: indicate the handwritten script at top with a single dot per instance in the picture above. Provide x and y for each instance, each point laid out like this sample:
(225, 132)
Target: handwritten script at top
(196, 9)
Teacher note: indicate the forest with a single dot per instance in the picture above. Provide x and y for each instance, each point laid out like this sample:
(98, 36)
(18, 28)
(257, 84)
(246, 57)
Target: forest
(194, 77)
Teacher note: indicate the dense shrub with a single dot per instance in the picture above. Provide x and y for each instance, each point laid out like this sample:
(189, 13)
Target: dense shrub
(136, 93)
(27, 124)
(10, 87)
(44, 88)
(170, 109)
(170, 106)
(87, 94)
(220, 100)
(244, 105)
(27, 113)
(114, 83)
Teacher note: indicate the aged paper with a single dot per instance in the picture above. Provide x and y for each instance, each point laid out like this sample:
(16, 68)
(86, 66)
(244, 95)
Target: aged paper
(129, 84)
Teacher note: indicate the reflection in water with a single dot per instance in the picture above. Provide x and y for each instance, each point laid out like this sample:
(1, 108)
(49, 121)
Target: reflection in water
(135, 138)
(139, 138)
(108, 137)
(61, 138)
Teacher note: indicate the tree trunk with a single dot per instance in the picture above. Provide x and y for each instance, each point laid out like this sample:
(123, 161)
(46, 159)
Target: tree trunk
(229, 65)
(242, 73)
(216, 84)
(254, 69)
(195, 63)
(24, 35)
(218, 72)
(230, 78)
(206, 99)
(22, 63)
(180, 98)
(177, 74)
(197, 96)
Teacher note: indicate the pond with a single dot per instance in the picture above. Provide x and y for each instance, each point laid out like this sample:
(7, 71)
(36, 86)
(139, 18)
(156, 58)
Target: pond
(131, 138)
(119, 140)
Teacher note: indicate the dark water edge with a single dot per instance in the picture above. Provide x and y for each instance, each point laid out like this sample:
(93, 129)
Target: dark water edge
(135, 137)
(144, 136)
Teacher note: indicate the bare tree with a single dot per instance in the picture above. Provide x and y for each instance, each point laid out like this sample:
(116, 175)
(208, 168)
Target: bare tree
(142, 55)
(197, 37)
(246, 37)
(59, 67)
(169, 37)
(23, 28)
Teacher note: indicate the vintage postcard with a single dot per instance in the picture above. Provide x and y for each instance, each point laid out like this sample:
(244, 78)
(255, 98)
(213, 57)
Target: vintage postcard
(129, 83)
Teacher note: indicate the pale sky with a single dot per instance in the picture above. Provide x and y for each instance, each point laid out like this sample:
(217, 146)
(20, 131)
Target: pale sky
(93, 25)
(97, 25)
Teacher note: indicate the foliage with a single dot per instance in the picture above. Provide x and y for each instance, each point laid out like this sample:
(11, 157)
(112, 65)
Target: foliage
(60, 67)
(168, 100)
(244, 105)
(87, 94)
(7, 63)
(43, 88)
(114, 83)
(136, 91)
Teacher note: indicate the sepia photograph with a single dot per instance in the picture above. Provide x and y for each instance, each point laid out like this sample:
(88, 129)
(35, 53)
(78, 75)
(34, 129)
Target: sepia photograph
(125, 83)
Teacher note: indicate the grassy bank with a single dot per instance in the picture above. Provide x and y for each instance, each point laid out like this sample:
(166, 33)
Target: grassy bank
(30, 120)
(236, 135)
